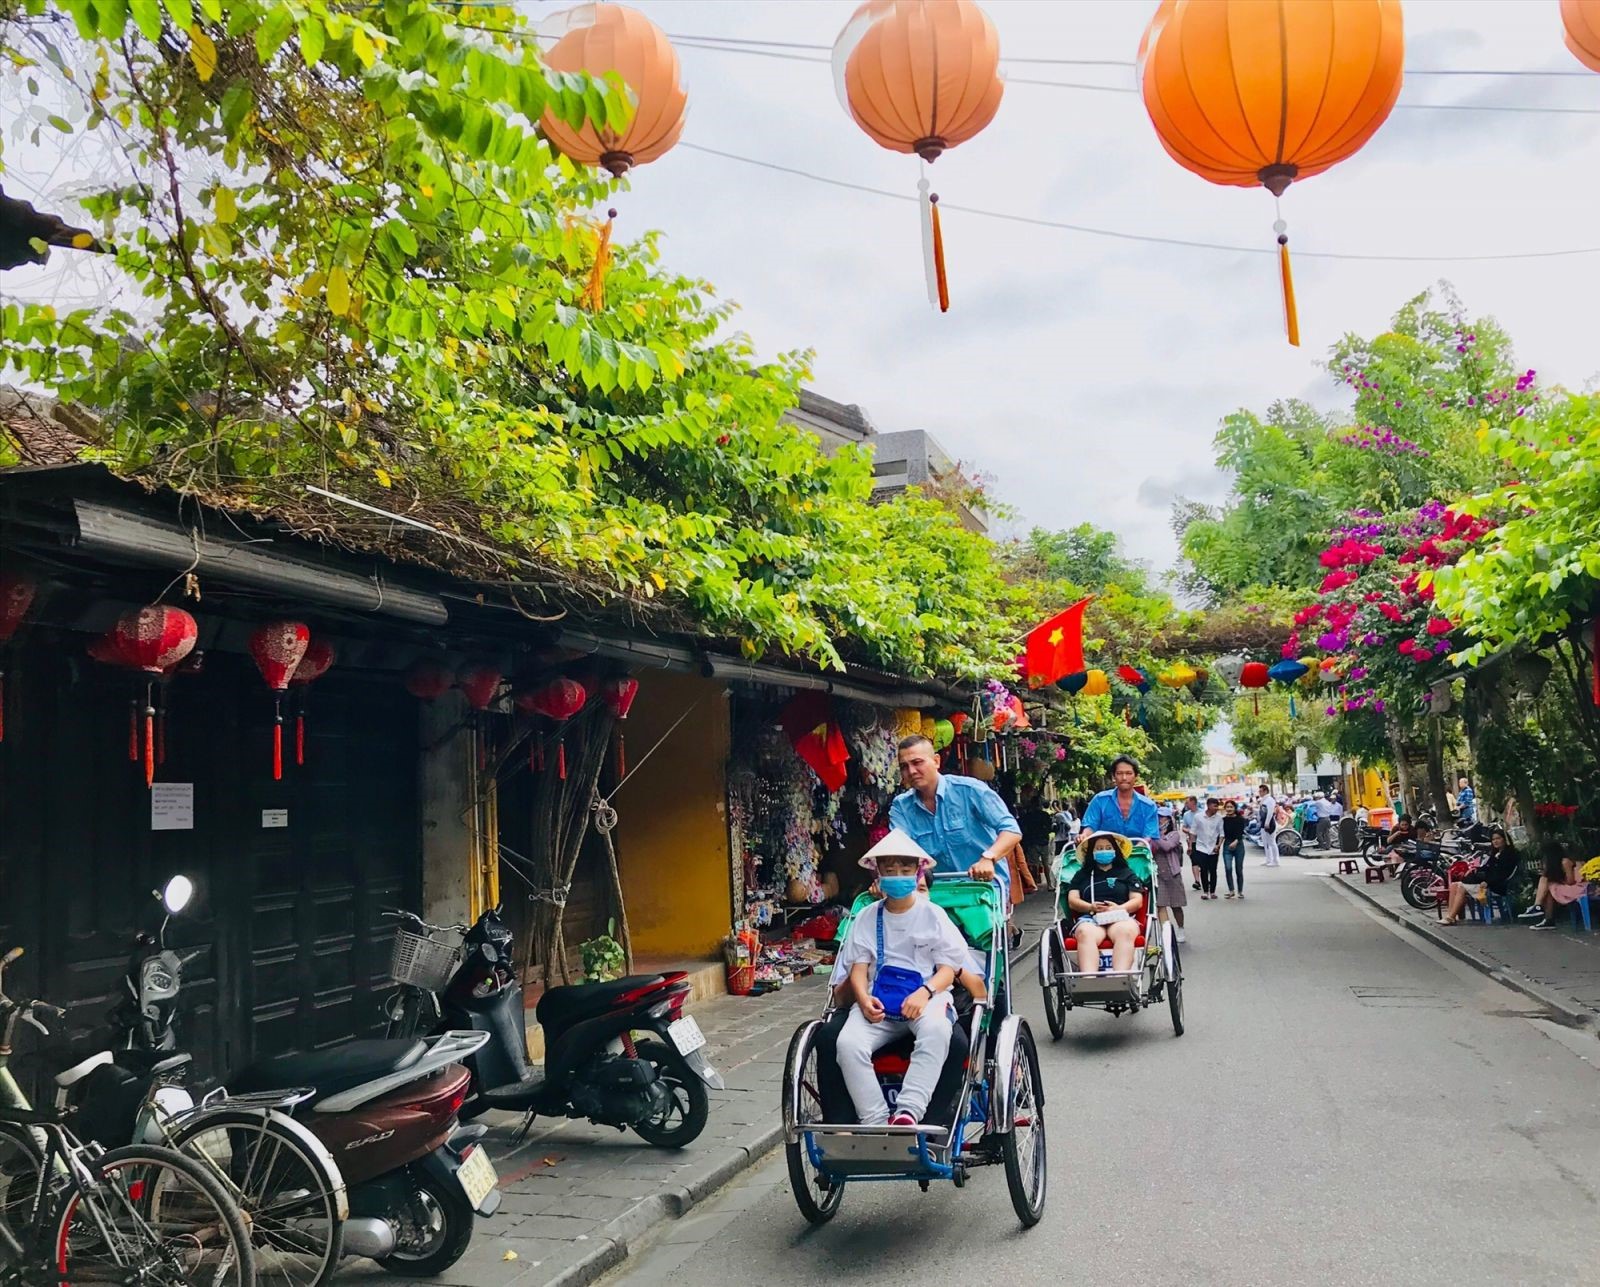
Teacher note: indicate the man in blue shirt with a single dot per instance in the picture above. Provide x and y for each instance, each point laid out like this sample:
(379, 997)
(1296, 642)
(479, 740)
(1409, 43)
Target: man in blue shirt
(1122, 810)
(961, 821)
(1466, 804)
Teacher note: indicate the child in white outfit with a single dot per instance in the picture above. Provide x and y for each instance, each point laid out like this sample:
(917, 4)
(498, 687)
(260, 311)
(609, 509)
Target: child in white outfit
(903, 933)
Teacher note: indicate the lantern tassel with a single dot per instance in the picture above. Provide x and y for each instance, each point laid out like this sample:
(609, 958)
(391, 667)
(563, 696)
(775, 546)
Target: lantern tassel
(622, 758)
(277, 739)
(149, 738)
(133, 729)
(1291, 315)
(933, 249)
(1255, 702)
(1292, 712)
(942, 281)
(594, 293)
(161, 730)
(299, 738)
(561, 759)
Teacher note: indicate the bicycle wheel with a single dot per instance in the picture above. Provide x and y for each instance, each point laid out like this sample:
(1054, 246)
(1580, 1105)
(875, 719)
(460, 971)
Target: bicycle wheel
(1422, 888)
(817, 1197)
(152, 1216)
(21, 1164)
(296, 1218)
(1023, 1147)
(1055, 994)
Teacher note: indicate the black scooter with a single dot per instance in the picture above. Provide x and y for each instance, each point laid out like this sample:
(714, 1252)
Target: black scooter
(594, 1065)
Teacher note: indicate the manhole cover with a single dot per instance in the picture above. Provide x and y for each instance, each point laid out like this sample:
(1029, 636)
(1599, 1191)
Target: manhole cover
(1400, 998)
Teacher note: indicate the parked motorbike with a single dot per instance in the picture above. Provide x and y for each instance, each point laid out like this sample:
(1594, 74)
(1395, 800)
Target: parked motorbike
(384, 1115)
(595, 1065)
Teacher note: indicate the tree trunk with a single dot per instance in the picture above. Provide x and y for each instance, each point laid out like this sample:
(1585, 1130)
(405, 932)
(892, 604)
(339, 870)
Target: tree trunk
(1437, 786)
(1402, 771)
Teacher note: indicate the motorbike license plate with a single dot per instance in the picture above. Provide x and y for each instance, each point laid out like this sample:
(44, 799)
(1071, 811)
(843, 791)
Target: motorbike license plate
(686, 1035)
(477, 1176)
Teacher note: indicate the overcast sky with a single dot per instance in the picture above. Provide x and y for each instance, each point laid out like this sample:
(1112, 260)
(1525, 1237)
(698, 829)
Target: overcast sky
(1088, 375)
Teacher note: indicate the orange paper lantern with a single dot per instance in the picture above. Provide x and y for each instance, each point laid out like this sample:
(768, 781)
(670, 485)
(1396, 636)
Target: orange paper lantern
(1243, 92)
(1581, 18)
(920, 77)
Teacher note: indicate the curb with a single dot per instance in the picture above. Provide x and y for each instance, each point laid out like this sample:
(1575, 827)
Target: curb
(617, 1239)
(1575, 1017)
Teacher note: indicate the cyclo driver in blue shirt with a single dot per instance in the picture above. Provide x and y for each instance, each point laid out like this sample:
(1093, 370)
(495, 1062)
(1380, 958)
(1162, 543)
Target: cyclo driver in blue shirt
(1120, 809)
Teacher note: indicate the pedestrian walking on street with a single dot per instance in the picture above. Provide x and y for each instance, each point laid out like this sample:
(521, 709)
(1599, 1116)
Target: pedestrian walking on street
(1208, 847)
(1167, 849)
(1267, 816)
(1466, 803)
(1233, 823)
(1191, 815)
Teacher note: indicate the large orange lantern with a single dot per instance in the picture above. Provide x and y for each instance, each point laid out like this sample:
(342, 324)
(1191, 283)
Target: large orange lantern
(920, 77)
(1581, 18)
(1248, 92)
(599, 39)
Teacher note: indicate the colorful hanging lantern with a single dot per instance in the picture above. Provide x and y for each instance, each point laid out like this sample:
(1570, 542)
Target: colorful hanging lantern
(559, 700)
(1074, 682)
(1581, 18)
(1254, 675)
(16, 599)
(920, 77)
(1096, 684)
(1134, 678)
(479, 684)
(1289, 672)
(318, 661)
(1178, 675)
(1202, 677)
(428, 680)
(600, 39)
(944, 732)
(1229, 669)
(153, 640)
(618, 695)
(278, 648)
(1244, 93)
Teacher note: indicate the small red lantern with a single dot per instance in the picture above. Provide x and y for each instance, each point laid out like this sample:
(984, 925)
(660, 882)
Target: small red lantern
(480, 682)
(559, 700)
(428, 680)
(317, 662)
(16, 598)
(278, 648)
(618, 695)
(1255, 674)
(151, 639)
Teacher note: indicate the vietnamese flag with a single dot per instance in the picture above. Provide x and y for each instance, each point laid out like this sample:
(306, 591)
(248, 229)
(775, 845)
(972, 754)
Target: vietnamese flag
(815, 734)
(1055, 649)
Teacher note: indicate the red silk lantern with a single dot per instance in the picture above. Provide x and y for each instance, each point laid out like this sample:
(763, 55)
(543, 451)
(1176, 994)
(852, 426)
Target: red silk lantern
(428, 680)
(1255, 675)
(278, 648)
(317, 662)
(152, 639)
(560, 700)
(618, 695)
(16, 598)
(479, 683)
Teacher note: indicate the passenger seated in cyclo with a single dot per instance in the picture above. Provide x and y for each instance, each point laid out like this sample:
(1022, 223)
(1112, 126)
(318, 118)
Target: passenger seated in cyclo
(1105, 898)
(903, 955)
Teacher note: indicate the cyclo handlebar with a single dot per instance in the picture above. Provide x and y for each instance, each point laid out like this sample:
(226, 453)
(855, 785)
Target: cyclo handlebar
(27, 1011)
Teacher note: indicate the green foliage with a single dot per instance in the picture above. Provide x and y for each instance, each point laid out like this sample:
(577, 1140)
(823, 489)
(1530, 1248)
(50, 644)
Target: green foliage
(363, 269)
(1538, 572)
(602, 957)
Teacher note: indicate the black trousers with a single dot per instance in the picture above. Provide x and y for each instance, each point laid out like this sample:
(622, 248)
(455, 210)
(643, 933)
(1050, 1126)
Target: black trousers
(1206, 865)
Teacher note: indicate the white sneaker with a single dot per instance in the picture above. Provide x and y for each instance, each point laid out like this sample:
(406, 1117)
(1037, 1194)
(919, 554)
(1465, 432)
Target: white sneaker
(1181, 936)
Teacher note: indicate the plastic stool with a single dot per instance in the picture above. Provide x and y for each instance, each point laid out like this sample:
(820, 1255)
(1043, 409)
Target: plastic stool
(1347, 866)
(1581, 908)
(1375, 875)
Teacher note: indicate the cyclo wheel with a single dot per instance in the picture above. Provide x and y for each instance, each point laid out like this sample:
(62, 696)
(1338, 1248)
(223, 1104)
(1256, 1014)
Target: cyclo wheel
(817, 1197)
(156, 1217)
(1023, 1146)
(295, 1225)
(1175, 991)
(1055, 993)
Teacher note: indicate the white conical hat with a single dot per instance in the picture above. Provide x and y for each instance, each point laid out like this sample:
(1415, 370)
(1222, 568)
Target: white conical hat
(897, 844)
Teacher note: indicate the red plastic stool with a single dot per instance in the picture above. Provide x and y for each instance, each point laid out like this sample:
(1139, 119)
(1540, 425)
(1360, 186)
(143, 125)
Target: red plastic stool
(1347, 866)
(1375, 875)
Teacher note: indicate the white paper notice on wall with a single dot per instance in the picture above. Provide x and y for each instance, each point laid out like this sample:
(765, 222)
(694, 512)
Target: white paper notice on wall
(274, 817)
(172, 806)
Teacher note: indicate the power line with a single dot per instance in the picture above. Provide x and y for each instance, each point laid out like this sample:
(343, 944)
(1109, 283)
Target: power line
(1119, 235)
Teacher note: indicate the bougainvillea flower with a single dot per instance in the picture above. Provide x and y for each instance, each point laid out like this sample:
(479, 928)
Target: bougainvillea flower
(1439, 626)
(1393, 613)
(1406, 647)
(1334, 581)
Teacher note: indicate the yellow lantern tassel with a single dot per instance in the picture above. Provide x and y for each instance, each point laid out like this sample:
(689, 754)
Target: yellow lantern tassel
(594, 294)
(1291, 315)
(938, 255)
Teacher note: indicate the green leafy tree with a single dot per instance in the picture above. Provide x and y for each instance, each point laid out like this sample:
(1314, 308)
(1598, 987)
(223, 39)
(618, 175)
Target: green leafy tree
(1265, 732)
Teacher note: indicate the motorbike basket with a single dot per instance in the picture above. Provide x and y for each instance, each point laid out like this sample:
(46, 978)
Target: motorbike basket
(421, 961)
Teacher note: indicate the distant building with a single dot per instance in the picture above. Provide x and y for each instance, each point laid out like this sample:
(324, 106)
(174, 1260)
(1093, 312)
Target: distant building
(906, 458)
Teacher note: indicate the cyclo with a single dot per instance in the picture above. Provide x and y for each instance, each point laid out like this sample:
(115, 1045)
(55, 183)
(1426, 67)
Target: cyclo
(1157, 966)
(988, 1106)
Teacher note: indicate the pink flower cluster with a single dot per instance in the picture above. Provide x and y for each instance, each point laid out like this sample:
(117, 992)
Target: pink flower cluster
(1350, 552)
(1384, 441)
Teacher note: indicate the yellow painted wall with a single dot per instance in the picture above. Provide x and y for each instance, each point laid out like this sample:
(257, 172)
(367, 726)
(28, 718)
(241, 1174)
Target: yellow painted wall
(672, 828)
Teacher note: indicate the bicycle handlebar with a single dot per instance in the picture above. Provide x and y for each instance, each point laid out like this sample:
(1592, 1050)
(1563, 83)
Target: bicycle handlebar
(401, 914)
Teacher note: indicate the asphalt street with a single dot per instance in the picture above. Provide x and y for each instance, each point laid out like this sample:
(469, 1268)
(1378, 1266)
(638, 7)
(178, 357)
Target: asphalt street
(1348, 1106)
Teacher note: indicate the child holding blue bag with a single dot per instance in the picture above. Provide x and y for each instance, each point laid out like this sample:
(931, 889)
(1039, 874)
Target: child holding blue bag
(903, 955)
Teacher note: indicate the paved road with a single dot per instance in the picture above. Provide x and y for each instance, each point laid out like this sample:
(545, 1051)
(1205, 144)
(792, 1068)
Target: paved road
(1348, 1106)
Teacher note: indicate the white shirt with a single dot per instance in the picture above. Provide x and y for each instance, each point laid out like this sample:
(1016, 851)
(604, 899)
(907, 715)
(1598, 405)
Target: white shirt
(921, 938)
(1208, 833)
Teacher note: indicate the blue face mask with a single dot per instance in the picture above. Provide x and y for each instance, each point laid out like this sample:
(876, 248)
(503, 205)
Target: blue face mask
(897, 886)
(1105, 857)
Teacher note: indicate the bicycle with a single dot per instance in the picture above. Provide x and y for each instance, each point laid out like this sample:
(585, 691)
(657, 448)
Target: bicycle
(137, 1216)
(422, 965)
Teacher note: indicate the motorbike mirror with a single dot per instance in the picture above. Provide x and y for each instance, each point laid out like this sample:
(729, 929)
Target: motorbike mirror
(175, 897)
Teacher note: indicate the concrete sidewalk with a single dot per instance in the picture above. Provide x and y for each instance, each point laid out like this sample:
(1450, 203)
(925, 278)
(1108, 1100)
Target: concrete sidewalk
(1558, 968)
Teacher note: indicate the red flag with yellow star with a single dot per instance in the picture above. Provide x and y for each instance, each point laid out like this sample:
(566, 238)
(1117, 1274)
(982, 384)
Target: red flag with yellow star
(1055, 649)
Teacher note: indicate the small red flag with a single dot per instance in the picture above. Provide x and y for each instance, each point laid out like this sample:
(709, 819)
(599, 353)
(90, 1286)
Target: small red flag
(1055, 649)
(816, 736)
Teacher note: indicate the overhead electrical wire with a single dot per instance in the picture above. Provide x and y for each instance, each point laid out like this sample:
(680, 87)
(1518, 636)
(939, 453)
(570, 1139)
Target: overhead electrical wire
(1120, 235)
